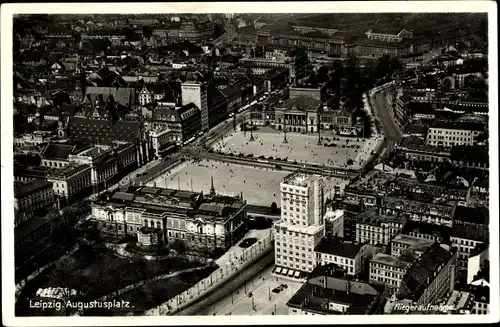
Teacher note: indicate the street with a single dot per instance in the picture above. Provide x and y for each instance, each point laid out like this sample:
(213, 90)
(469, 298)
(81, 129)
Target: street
(384, 112)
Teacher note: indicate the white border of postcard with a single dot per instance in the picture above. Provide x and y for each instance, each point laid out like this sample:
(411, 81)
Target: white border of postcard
(7, 12)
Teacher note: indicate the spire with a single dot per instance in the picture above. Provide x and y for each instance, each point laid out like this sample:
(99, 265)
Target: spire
(212, 188)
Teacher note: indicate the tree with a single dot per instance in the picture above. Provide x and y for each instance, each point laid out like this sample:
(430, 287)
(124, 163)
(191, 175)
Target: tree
(64, 276)
(322, 75)
(274, 207)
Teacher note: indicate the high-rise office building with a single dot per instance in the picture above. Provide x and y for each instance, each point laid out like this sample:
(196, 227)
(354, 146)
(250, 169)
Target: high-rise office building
(301, 225)
(196, 92)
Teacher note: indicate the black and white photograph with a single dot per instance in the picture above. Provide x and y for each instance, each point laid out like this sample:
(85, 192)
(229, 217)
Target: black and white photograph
(252, 160)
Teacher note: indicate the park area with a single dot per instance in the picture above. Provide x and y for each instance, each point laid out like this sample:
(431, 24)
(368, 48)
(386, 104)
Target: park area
(333, 151)
(98, 272)
(260, 186)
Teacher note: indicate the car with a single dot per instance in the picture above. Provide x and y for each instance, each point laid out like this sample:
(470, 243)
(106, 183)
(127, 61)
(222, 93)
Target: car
(276, 290)
(284, 285)
(250, 294)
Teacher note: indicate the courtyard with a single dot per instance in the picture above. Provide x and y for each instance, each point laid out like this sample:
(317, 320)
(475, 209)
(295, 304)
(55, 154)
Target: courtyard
(333, 151)
(260, 186)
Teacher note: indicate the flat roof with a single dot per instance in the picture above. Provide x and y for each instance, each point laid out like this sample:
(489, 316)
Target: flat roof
(388, 260)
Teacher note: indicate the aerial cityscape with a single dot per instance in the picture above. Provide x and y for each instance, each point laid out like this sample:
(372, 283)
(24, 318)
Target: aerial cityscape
(251, 164)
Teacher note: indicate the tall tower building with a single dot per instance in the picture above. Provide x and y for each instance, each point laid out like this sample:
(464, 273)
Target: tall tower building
(196, 92)
(301, 225)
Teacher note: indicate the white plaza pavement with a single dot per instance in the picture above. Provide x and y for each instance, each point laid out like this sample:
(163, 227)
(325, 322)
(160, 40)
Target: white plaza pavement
(260, 186)
(300, 147)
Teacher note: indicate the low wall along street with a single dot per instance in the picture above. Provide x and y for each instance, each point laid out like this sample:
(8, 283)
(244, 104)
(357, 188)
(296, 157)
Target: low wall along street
(217, 279)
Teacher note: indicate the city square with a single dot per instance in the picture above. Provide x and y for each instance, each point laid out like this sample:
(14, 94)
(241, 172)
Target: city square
(260, 186)
(333, 151)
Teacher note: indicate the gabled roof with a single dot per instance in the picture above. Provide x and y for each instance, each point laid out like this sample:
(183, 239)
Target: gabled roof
(421, 272)
(122, 95)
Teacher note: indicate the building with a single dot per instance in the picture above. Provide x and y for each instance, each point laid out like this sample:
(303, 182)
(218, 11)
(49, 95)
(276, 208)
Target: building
(301, 225)
(151, 92)
(160, 139)
(334, 223)
(107, 132)
(481, 302)
(465, 237)
(452, 133)
(181, 123)
(471, 157)
(124, 96)
(370, 50)
(56, 155)
(262, 66)
(477, 273)
(31, 197)
(415, 149)
(427, 231)
(461, 301)
(375, 228)
(325, 294)
(349, 256)
(71, 182)
(103, 165)
(387, 270)
(276, 79)
(196, 92)
(402, 244)
(199, 221)
(430, 277)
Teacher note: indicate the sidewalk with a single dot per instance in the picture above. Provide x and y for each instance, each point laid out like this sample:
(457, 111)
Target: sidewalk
(235, 260)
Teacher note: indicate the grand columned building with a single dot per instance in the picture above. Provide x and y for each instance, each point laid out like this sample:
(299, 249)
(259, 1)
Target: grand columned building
(208, 221)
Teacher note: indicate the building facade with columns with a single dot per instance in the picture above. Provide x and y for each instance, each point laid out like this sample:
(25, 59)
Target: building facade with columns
(200, 221)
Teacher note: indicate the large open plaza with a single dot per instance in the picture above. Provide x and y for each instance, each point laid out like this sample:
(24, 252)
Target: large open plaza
(333, 150)
(260, 186)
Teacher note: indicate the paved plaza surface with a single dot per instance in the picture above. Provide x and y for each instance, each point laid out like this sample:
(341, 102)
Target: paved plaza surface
(239, 303)
(300, 147)
(260, 186)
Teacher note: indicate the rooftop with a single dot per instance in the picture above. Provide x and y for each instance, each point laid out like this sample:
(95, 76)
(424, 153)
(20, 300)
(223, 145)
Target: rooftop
(300, 179)
(30, 187)
(460, 125)
(470, 232)
(372, 217)
(478, 215)
(421, 272)
(57, 151)
(427, 229)
(415, 243)
(388, 260)
(338, 248)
